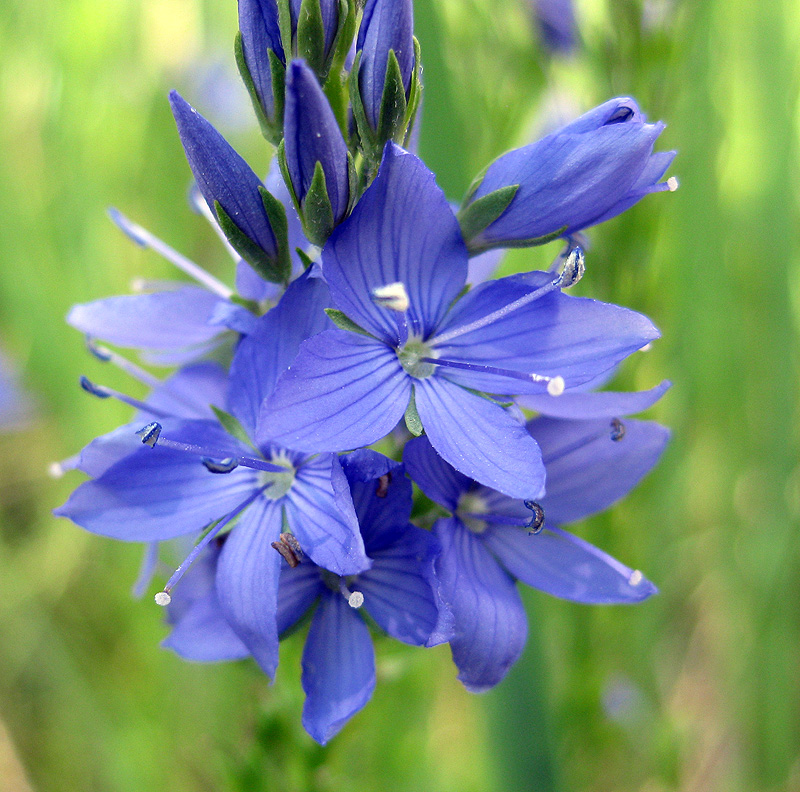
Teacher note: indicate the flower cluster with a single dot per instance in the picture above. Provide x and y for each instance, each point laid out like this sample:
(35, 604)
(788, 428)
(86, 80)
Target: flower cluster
(356, 319)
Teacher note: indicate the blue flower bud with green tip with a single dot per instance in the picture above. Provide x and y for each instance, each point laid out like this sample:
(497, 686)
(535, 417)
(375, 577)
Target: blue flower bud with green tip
(314, 155)
(261, 61)
(387, 25)
(251, 218)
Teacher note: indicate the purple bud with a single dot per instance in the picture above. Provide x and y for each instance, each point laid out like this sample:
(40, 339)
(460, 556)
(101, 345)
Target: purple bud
(222, 175)
(580, 175)
(258, 22)
(312, 135)
(386, 25)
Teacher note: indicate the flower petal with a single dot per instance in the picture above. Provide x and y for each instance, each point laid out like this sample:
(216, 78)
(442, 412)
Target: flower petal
(441, 482)
(200, 631)
(338, 668)
(401, 590)
(478, 438)
(266, 353)
(584, 406)
(247, 581)
(587, 470)
(297, 590)
(343, 391)
(162, 320)
(490, 623)
(566, 566)
(402, 230)
(157, 493)
(321, 515)
(555, 335)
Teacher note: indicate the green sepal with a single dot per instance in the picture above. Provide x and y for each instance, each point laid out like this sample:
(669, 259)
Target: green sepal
(473, 187)
(344, 322)
(250, 305)
(478, 245)
(271, 129)
(316, 212)
(230, 423)
(411, 417)
(305, 259)
(414, 94)
(365, 131)
(276, 214)
(287, 179)
(252, 253)
(311, 36)
(285, 27)
(392, 116)
(476, 216)
(344, 36)
(488, 397)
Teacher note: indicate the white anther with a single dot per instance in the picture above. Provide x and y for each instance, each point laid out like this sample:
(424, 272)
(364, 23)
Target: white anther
(356, 599)
(392, 296)
(636, 578)
(646, 348)
(55, 470)
(163, 599)
(672, 184)
(556, 386)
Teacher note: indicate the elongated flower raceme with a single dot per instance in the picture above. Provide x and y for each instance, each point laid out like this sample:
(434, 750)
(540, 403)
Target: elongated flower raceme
(395, 268)
(583, 174)
(590, 464)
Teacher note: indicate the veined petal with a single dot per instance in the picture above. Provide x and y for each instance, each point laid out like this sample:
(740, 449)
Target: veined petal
(401, 231)
(400, 591)
(321, 515)
(189, 392)
(338, 668)
(555, 335)
(343, 391)
(441, 482)
(158, 493)
(247, 581)
(200, 631)
(162, 320)
(480, 439)
(297, 590)
(566, 566)
(265, 354)
(587, 470)
(490, 623)
(585, 406)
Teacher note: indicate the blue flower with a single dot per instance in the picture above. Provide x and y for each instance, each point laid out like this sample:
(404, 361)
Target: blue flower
(399, 592)
(583, 174)
(165, 491)
(15, 407)
(556, 22)
(395, 268)
(492, 540)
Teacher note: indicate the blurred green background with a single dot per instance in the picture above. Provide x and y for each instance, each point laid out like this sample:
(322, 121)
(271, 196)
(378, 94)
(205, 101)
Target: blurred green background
(695, 690)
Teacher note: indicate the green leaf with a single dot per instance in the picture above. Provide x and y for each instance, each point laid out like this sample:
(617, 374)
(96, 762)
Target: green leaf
(311, 36)
(476, 216)
(317, 213)
(276, 214)
(306, 260)
(393, 102)
(344, 322)
(481, 245)
(230, 423)
(412, 419)
(251, 252)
